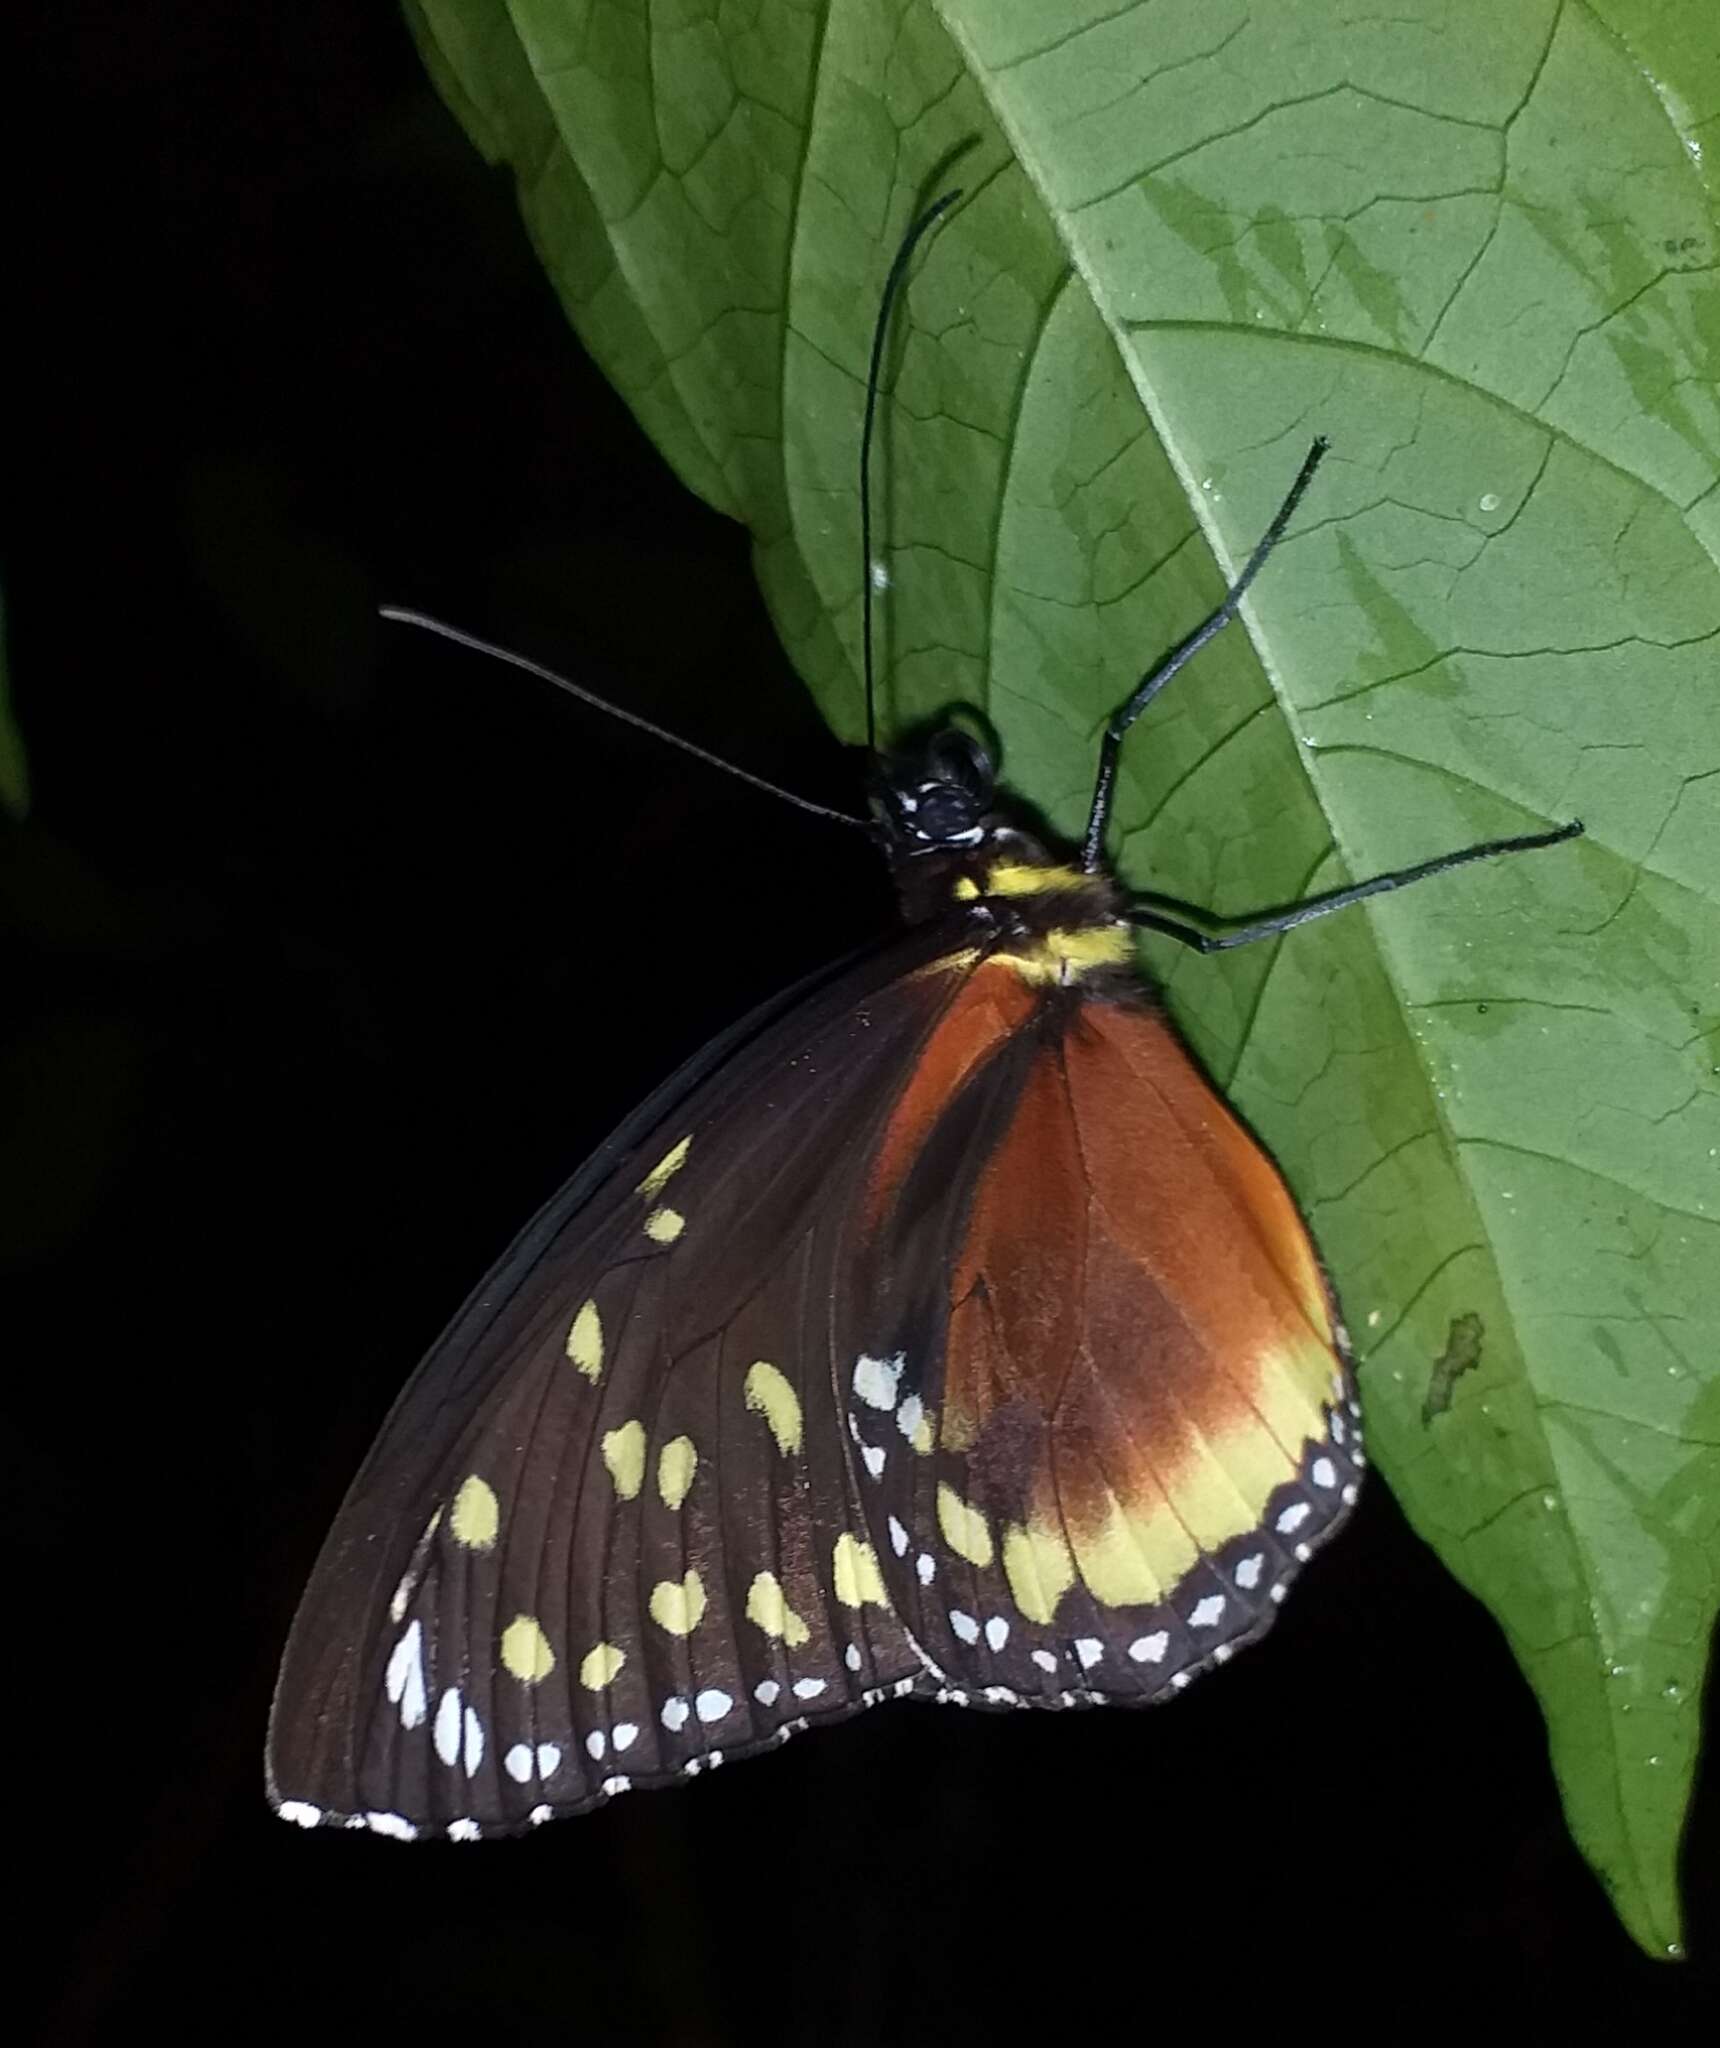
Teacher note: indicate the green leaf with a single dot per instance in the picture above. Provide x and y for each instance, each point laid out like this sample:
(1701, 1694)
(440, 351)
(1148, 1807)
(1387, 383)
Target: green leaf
(1477, 247)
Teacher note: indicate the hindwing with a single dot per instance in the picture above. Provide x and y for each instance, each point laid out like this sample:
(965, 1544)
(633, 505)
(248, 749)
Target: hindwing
(1101, 1393)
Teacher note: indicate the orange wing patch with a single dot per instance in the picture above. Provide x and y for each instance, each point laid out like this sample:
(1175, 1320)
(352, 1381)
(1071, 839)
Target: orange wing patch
(990, 1007)
(1123, 1426)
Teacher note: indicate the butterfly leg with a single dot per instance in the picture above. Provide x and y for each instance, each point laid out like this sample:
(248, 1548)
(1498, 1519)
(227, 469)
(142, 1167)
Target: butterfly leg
(1269, 926)
(1154, 681)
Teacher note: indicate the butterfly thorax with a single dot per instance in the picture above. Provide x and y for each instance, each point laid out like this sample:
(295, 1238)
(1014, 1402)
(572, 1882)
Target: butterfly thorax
(1024, 907)
(956, 858)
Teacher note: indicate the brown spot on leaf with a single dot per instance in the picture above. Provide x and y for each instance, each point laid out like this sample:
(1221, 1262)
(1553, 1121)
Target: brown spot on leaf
(1462, 1354)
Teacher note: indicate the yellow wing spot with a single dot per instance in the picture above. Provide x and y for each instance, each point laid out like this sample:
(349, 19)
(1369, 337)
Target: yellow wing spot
(922, 1435)
(964, 1527)
(1022, 878)
(1133, 1560)
(677, 1461)
(664, 1225)
(769, 1394)
(526, 1651)
(600, 1665)
(678, 1608)
(664, 1171)
(477, 1514)
(1290, 1393)
(854, 1570)
(624, 1454)
(585, 1341)
(1039, 1569)
(1065, 956)
(966, 889)
(768, 1608)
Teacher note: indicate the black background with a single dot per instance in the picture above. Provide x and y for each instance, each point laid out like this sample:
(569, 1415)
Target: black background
(330, 951)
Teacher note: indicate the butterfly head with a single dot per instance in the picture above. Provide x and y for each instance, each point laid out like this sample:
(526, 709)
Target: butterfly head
(936, 796)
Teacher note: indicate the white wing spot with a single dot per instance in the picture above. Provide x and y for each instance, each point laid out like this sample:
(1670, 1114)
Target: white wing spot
(808, 1688)
(997, 1632)
(405, 1677)
(1339, 1432)
(464, 1831)
(300, 1812)
(898, 1538)
(611, 1786)
(1349, 1496)
(539, 1814)
(1207, 1611)
(446, 1734)
(625, 1734)
(926, 1565)
(766, 1691)
(1293, 1517)
(675, 1713)
(595, 1744)
(1151, 1649)
(964, 1625)
(876, 1379)
(518, 1763)
(903, 1687)
(910, 1415)
(712, 1704)
(1089, 1649)
(472, 1749)
(851, 1657)
(394, 1824)
(1248, 1571)
(1324, 1472)
(549, 1758)
(1045, 1660)
(872, 1456)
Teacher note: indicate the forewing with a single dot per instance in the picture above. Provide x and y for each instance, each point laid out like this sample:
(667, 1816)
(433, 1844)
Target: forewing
(610, 1534)
(1099, 1389)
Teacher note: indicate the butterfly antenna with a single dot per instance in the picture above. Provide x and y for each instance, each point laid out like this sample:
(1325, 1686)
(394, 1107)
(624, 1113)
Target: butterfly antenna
(880, 337)
(403, 617)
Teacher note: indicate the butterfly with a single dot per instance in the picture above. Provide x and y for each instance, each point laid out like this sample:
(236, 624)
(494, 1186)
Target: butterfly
(937, 1332)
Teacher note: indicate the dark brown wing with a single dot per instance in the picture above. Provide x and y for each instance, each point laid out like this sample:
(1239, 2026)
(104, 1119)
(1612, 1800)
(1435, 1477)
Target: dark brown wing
(611, 1532)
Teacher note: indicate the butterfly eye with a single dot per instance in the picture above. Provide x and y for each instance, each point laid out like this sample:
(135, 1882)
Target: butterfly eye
(940, 795)
(946, 815)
